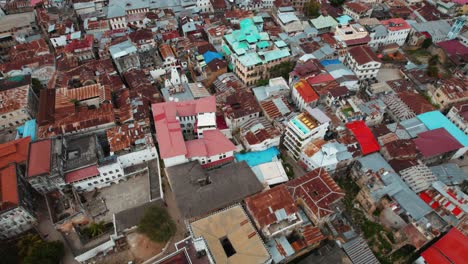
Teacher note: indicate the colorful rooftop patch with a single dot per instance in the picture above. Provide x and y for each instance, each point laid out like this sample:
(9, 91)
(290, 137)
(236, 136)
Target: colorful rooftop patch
(364, 136)
(258, 157)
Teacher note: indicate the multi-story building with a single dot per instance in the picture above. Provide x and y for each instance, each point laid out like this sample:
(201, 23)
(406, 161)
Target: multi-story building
(309, 125)
(288, 21)
(354, 108)
(448, 92)
(431, 149)
(205, 6)
(239, 108)
(16, 208)
(304, 95)
(191, 119)
(328, 155)
(259, 134)
(252, 53)
(324, 24)
(357, 10)
(18, 102)
(350, 35)
(363, 62)
(458, 114)
(395, 30)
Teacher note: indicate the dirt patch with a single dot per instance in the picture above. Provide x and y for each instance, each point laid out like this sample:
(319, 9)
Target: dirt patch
(142, 247)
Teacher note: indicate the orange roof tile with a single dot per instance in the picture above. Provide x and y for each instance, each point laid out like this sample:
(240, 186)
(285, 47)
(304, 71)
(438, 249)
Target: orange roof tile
(14, 151)
(8, 187)
(305, 91)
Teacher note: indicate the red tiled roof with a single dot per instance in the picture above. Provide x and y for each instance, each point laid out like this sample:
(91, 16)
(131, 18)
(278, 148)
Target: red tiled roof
(81, 174)
(14, 151)
(395, 24)
(451, 248)
(124, 136)
(429, 142)
(364, 136)
(305, 91)
(322, 78)
(357, 7)
(168, 130)
(271, 109)
(312, 235)
(39, 157)
(317, 190)
(8, 187)
(262, 206)
(363, 54)
(416, 102)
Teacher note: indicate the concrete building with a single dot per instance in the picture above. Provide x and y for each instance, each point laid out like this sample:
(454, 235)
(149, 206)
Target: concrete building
(309, 125)
(288, 21)
(177, 121)
(18, 103)
(449, 92)
(303, 95)
(357, 10)
(228, 240)
(252, 53)
(354, 109)
(324, 24)
(458, 114)
(395, 30)
(363, 62)
(239, 108)
(438, 30)
(331, 156)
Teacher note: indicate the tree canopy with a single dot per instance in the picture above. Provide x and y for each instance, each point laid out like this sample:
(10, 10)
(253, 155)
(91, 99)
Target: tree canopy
(157, 224)
(282, 70)
(32, 249)
(312, 9)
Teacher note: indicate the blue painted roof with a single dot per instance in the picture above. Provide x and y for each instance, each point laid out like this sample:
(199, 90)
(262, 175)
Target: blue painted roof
(28, 129)
(210, 55)
(329, 62)
(435, 119)
(344, 19)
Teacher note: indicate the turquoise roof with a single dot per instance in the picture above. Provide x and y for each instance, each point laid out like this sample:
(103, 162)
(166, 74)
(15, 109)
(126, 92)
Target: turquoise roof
(263, 44)
(344, 19)
(28, 129)
(323, 22)
(276, 54)
(257, 19)
(226, 50)
(280, 44)
(250, 59)
(435, 119)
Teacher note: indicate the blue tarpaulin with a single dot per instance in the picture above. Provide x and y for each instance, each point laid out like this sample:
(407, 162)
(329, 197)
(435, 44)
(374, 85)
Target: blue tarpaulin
(210, 55)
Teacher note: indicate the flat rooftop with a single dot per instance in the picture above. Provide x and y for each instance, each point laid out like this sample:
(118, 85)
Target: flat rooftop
(195, 196)
(80, 152)
(231, 237)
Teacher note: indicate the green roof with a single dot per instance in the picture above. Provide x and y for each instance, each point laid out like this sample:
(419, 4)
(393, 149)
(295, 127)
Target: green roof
(323, 22)
(226, 50)
(263, 44)
(276, 54)
(280, 44)
(257, 19)
(250, 59)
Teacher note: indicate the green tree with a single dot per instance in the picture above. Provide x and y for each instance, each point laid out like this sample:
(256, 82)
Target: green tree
(262, 82)
(426, 43)
(46, 253)
(281, 70)
(8, 253)
(433, 71)
(157, 224)
(312, 9)
(27, 244)
(337, 2)
(36, 85)
(95, 229)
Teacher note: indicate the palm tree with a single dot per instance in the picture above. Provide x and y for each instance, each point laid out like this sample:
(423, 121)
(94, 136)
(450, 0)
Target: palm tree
(95, 229)
(27, 244)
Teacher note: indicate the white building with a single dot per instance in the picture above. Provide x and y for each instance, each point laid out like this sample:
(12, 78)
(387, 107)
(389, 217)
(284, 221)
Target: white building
(363, 62)
(303, 95)
(258, 134)
(395, 30)
(357, 10)
(329, 156)
(458, 114)
(205, 6)
(305, 127)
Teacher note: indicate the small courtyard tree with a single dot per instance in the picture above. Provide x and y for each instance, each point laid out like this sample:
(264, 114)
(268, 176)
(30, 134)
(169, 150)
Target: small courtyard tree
(157, 224)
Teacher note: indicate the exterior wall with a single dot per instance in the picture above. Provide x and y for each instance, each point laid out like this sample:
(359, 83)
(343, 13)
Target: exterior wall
(294, 140)
(137, 157)
(205, 6)
(15, 221)
(251, 75)
(398, 37)
(364, 71)
(234, 124)
(107, 174)
(442, 99)
(14, 118)
(45, 183)
(268, 143)
(459, 121)
(118, 23)
(169, 162)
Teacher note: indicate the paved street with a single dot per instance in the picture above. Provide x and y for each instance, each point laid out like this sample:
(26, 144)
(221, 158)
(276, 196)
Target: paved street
(47, 230)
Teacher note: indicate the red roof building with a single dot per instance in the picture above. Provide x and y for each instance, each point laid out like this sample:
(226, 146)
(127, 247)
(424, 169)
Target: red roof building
(270, 207)
(363, 54)
(39, 159)
(82, 174)
(8, 187)
(14, 151)
(429, 143)
(304, 94)
(364, 136)
(451, 248)
(316, 192)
